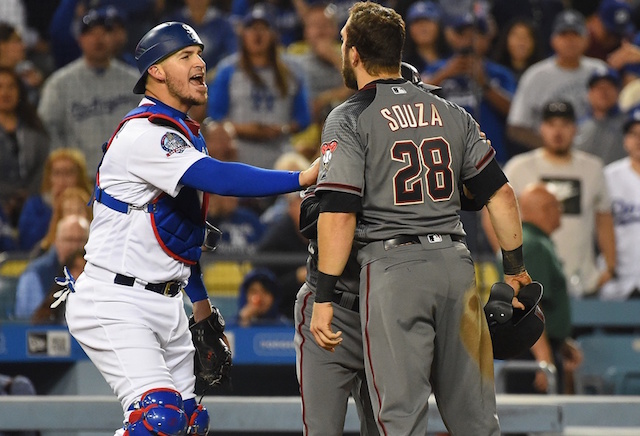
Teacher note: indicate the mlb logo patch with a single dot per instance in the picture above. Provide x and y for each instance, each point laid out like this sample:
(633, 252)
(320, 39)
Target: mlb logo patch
(398, 90)
(172, 143)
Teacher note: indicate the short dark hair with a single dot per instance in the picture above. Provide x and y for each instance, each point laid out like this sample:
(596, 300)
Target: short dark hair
(378, 33)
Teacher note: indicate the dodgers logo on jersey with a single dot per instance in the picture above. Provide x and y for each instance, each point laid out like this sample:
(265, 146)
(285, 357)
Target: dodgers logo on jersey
(190, 32)
(327, 150)
(172, 143)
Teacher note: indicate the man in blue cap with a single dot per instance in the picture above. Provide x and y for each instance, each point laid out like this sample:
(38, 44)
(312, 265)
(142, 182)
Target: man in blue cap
(562, 76)
(425, 43)
(600, 131)
(608, 26)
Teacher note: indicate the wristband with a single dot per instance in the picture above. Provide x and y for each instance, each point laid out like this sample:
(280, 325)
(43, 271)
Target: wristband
(513, 261)
(325, 287)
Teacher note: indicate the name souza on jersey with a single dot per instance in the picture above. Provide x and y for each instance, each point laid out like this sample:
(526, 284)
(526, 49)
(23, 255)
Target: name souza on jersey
(407, 116)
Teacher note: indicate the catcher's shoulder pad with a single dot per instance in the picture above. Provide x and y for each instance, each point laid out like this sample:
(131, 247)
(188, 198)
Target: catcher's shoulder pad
(499, 308)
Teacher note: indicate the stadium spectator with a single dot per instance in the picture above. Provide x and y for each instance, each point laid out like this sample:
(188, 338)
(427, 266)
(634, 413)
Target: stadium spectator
(68, 19)
(623, 181)
(13, 56)
(81, 102)
(214, 28)
(240, 226)
(120, 37)
(286, 16)
(319, 56)
(425, 42)
(45, 314)
(540, 12)
(283, 237)
(262, 95)
(289, 161)
(600, 131)
(577, 179)
(258, 299)
(541, 212)
(470, 80)
(220, 138)
(35, 281)
(73, 200)
(608, 26)
(626, 60)
(562, 76)
(14, 12)
(24, 146)
(64, 168)
(518, 46)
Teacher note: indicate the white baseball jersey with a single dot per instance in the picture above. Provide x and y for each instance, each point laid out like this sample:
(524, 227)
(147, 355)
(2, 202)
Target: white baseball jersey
(579, 186)
(624, 187)
(136, 175)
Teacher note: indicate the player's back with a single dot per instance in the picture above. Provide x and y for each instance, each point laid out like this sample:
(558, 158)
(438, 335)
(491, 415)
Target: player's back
(416, 147)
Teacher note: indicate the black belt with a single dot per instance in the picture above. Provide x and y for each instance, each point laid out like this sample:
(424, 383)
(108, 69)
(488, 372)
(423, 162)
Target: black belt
(166, 288)
(350, 301)
(413, 239)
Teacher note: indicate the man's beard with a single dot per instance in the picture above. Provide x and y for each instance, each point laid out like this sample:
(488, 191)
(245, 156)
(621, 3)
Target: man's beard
(562, 153)
(182, 96)
(349, 76)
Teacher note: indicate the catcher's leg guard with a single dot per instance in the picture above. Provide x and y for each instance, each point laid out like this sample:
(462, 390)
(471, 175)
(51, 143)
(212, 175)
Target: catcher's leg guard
(198, 417)
(160, 412)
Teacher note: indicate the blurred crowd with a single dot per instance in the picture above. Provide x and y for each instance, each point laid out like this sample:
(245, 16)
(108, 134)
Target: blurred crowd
(554, 84)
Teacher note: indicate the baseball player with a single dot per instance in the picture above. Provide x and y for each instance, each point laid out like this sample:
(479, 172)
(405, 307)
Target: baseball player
(326, 381)
(392, 158)
(146, 236)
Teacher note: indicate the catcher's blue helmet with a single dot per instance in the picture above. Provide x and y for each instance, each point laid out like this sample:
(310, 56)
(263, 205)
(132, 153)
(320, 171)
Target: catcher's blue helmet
(160, 42)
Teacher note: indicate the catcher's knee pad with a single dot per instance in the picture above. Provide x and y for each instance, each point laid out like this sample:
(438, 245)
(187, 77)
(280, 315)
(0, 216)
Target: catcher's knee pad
(160, 412)
(198, 417)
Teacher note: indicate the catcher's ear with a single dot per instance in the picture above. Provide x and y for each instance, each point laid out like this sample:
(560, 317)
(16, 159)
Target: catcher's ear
(156, 72)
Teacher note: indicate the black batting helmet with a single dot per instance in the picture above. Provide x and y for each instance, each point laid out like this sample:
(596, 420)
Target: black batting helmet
(411, 73)
(513, 331)
(160, 42)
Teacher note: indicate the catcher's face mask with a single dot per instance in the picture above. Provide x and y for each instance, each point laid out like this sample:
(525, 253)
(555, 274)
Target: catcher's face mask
(212, 236)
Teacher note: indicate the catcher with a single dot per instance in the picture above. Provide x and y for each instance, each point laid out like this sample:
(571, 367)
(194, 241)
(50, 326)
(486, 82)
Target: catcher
(145, 244)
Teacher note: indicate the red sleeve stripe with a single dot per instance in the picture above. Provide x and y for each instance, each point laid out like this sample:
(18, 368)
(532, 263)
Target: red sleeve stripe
(339, 187)
(487, 157)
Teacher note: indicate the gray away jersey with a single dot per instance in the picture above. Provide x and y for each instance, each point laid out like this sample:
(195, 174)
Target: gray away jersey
(404, 151)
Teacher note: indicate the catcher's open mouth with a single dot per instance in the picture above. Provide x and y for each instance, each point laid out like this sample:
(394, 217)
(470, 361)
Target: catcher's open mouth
(197, 79)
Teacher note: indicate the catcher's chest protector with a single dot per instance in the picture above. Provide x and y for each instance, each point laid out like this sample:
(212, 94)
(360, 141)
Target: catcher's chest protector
(178, 223)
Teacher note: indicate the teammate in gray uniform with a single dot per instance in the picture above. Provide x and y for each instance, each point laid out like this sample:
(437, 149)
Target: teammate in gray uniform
(392, 159)
(326, 381)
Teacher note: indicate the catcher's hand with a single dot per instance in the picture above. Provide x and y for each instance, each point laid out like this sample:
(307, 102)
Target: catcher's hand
(213, 356)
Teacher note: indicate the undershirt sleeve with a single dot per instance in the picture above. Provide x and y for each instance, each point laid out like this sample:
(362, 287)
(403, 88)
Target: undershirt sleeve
(238, 179)
(340, 202)
(484, 184)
